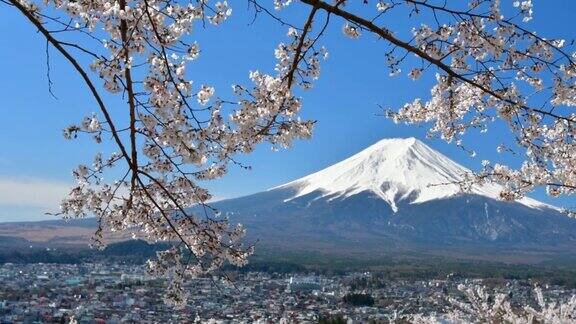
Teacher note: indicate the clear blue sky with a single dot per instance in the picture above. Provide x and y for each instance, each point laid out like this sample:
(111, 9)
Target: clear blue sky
(36, 162)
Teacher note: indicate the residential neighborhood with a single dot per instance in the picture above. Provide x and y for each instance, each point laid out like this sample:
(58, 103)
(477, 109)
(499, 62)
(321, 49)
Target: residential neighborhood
(109, 293)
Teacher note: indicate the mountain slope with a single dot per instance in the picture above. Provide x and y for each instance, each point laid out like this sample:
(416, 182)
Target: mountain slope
(381, 200)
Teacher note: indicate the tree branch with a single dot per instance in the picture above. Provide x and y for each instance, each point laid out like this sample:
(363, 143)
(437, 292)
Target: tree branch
(385, 34)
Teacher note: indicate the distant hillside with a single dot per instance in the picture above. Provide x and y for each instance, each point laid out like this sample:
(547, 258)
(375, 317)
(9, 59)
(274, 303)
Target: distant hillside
(132, 251)
(52, 233)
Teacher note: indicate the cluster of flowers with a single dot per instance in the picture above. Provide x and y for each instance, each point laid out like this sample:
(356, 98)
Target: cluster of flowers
(178, 133)
(480, 305)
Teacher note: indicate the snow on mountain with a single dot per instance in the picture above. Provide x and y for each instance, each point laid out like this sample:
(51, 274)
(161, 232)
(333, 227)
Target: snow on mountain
(395, 169)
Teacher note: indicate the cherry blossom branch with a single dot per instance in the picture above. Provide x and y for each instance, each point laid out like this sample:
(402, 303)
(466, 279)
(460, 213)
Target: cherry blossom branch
(129, 88)
(385, 34)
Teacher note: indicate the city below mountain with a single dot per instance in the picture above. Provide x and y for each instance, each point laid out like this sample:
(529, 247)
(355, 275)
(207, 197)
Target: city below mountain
(397, 197)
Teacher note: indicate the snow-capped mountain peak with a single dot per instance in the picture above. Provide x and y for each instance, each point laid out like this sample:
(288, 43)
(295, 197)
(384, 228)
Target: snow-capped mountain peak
(395, 169)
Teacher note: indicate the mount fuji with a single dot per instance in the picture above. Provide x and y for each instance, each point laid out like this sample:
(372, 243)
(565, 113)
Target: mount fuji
(395, 170)
(398, 195)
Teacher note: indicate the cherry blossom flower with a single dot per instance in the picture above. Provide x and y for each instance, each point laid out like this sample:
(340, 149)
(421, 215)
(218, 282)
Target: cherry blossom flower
(351, 31)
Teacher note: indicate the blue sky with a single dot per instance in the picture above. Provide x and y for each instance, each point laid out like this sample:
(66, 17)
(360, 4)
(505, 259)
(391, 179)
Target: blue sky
(36, 161)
